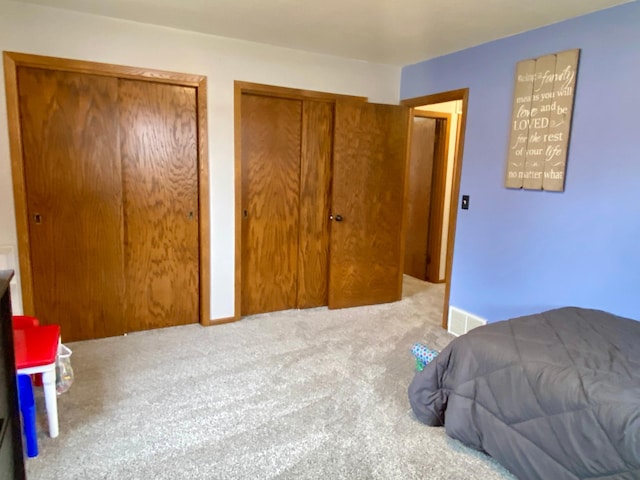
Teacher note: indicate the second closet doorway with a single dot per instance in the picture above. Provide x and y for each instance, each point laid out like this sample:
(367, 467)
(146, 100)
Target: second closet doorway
(320, 203)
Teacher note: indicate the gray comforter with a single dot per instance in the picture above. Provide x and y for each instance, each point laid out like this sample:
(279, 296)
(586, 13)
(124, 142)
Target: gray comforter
(551, 396)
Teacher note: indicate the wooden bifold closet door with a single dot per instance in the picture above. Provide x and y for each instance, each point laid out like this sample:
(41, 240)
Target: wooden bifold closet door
(111, 176)
(286, 165)
(322, 202)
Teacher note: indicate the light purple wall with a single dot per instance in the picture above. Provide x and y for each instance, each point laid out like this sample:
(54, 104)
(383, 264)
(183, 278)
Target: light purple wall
(518, 251)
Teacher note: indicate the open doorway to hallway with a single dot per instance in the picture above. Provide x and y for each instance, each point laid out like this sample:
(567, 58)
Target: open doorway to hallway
(434, 130)
(433, 186)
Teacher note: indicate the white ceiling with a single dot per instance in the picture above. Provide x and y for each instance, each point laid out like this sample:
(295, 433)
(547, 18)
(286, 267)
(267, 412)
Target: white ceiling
(396, 32)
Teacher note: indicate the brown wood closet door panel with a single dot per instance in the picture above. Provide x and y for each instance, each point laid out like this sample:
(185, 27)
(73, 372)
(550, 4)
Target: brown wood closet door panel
(74, 199)
(158, 142)
(315, 202)
(439, 185)
(270, 164)
(370, 147)
(421, 154)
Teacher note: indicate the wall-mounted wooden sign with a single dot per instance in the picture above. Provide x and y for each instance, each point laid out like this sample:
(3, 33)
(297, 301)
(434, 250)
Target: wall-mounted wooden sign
(541, 121)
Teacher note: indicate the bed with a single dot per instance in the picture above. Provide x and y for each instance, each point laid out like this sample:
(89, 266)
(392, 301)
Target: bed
(551, 396)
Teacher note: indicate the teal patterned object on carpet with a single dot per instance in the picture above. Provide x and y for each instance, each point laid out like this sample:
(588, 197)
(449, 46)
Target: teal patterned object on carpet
(423, 355)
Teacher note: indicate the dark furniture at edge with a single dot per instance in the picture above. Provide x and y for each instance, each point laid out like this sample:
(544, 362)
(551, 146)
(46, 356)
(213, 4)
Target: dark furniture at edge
(11, 457)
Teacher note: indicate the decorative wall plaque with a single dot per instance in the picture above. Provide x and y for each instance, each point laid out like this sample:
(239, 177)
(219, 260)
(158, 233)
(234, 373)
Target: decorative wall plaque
(541, 121)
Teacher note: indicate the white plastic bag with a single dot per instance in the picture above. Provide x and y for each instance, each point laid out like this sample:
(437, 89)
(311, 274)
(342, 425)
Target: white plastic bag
(64, 372)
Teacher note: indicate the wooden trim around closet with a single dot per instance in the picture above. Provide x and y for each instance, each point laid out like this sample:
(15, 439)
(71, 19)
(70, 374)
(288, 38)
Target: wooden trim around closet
(12, 61)
(430, 114)
(452, 95)
(19, 182)
(291, 93)
(222, 321)
(241, 88)
(204, 219)
(104, 69)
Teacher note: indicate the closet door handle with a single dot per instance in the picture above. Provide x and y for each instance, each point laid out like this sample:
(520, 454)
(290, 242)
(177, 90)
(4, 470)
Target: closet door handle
(337, 218)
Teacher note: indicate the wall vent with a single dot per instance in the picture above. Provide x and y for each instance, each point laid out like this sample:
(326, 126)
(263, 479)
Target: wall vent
(460, 322)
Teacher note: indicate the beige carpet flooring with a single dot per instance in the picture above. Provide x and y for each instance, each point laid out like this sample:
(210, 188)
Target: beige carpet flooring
(300, 394)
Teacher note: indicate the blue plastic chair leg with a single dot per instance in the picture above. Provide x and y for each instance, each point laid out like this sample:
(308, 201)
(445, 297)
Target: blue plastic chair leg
(28, 410)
